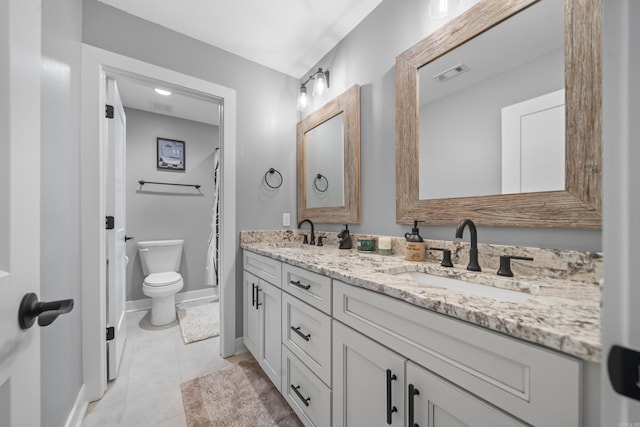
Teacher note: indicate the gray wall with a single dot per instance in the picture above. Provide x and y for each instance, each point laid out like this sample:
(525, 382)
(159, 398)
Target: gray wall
(163, 212)
(266, 109)
(61, 361)
(367, 57)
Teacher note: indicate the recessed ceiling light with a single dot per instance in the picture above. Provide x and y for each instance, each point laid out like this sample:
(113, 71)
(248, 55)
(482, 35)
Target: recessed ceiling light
(163, 92)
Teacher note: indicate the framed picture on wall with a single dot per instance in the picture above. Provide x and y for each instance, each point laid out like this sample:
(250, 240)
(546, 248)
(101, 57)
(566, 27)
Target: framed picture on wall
(170, 154)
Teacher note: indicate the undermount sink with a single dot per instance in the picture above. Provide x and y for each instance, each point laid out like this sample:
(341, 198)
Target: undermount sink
(485, 291)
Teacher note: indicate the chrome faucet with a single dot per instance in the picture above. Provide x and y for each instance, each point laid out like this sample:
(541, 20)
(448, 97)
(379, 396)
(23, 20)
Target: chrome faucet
(473, 252)
(313, 235)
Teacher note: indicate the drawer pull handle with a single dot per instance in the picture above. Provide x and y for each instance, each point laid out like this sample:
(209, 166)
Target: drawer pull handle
(390, 408)
(300, 396)
(297, 331)
(412, 393)
(300, 285)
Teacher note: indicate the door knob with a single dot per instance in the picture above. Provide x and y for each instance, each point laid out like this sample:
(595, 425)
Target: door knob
(127, 238)
(46, 312)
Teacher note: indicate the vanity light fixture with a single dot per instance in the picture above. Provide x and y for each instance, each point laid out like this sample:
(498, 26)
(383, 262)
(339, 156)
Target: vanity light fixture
(320, 85)
(162, 92)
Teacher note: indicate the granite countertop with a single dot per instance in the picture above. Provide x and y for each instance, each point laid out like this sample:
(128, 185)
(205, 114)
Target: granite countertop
(560, 314)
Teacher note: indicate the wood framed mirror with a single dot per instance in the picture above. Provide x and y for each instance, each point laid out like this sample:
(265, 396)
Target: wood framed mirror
(328, 161)
(579, 204)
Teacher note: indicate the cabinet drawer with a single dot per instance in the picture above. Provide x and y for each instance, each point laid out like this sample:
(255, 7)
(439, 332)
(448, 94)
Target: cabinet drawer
(539, 386)
(264, 267)
(307, 333)
(309, 397)
(312, 288)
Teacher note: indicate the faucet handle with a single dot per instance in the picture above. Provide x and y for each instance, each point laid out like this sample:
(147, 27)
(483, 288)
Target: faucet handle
(505, 264)
(446, 256)
(320, 240)
(305, 240)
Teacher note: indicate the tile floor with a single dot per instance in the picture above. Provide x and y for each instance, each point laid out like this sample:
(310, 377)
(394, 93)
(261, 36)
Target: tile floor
(154, 364)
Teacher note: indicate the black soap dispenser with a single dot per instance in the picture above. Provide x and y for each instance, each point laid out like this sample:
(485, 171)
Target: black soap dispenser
(345, 238)
(414, 248)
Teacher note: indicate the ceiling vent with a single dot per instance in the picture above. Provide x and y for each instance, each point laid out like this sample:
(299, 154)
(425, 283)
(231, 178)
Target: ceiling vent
(451, 73)
(159, 106)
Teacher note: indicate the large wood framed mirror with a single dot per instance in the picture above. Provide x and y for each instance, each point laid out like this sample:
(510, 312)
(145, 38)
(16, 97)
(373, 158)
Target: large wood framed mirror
(328, 161)
(573, 199)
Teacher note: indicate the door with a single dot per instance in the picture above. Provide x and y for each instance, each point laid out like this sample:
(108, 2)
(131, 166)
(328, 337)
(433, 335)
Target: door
(621, 228)
(368, 381)
(115, 238)
(533, 144)
(19, 209)
(434, 402)
(251, 330)
(269, 302)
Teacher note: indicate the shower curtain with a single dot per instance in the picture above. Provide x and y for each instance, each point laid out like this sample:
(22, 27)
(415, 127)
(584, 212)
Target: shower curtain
(211, 267)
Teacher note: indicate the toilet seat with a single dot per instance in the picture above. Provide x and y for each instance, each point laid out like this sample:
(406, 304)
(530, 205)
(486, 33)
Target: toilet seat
(162, 279)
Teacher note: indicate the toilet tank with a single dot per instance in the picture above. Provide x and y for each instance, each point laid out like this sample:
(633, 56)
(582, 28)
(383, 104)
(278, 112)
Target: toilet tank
(160, 256)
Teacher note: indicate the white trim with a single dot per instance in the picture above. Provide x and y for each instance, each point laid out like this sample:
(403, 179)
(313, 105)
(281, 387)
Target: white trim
(240, 347)
(76, 416)
(94, 63)
(145, 303)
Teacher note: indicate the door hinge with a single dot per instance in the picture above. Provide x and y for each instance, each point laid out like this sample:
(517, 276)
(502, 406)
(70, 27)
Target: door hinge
(111, 333)
(109, 111)
(111, 222)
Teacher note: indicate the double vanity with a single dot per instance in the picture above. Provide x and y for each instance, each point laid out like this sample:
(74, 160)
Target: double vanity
(354, 338)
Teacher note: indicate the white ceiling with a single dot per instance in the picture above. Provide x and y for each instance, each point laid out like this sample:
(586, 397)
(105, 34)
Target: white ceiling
(140, 94)
(289, 36)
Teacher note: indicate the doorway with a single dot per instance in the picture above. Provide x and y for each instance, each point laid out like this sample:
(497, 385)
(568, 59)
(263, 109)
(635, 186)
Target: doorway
(96, 64)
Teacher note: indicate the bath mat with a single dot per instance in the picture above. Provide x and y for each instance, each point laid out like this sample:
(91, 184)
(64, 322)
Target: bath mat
(237, 396)
(198, 321)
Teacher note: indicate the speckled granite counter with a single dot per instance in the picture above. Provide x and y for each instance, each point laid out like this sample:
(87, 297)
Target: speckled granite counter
(561, 313)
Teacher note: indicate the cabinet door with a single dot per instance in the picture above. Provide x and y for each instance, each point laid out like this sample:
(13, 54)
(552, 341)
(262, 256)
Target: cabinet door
(434, 402)
(368, 381)
(268, 300)
(250, 317)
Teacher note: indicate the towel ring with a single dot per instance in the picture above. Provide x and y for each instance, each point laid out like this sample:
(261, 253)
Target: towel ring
(321, 183)
(269, 173)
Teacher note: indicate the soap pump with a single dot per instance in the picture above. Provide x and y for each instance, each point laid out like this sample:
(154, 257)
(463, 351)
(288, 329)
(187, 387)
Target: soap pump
(345, 238)
(414, 247)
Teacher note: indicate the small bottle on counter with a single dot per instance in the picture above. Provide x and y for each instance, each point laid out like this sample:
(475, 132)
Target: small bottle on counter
(414, 247)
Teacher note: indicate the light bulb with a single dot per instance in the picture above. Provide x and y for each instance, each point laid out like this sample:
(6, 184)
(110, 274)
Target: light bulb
(163, 92)
(441, 8)
(320, 83)
(303, 100)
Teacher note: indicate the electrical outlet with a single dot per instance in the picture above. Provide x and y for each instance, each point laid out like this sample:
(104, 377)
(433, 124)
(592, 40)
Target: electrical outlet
(286, 219)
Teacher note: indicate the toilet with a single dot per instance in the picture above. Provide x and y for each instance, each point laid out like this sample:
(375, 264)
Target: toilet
(160, 263)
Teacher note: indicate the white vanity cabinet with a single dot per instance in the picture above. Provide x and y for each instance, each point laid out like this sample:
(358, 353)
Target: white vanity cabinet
(306, 344)
(368, 381)
(476, 369)
(262, 304)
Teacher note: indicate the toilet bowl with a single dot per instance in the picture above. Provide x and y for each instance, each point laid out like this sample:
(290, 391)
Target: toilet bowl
(160, 262)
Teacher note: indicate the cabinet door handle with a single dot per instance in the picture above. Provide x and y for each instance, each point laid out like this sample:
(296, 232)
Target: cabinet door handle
(412, 392)
(258, 303)
(390, 408)
(300, 285)
(300, 396)
(253, 295)
(297, 331)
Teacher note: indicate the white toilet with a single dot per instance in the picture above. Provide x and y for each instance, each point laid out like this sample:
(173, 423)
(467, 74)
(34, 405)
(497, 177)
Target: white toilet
(160, 263)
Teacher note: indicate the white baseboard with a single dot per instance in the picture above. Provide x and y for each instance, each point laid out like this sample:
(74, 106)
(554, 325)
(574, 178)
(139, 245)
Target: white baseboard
(145, 303)
(240, 347)
(76, 416)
